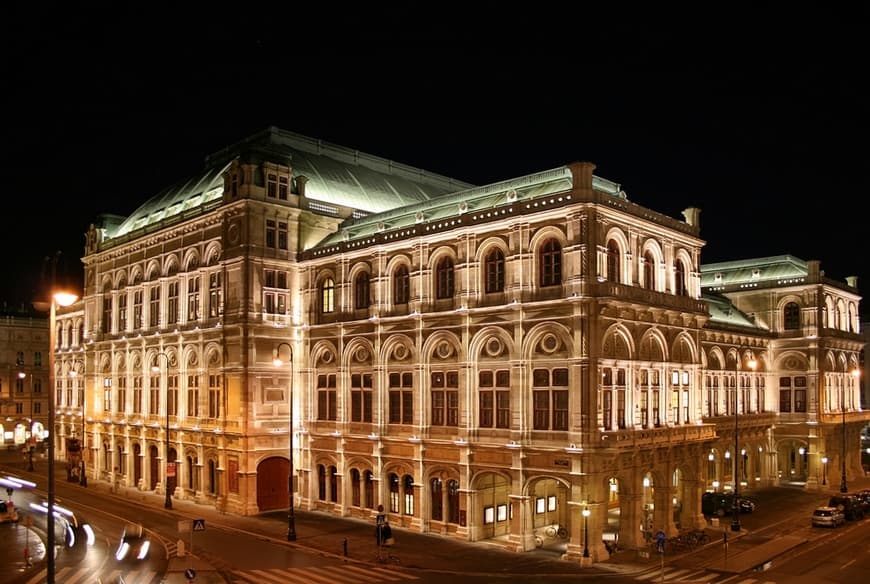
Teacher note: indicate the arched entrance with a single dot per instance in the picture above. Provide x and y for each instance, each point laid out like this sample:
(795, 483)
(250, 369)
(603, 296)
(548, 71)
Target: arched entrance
(492, 512)
(137, 464)
(549, 509)
(153, 467)
(273, 477)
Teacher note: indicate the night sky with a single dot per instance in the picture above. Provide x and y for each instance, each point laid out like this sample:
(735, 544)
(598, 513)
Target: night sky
(758, 118)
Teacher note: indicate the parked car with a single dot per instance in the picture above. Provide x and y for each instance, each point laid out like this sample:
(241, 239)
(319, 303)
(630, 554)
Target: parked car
(850, 505)
(722, 504)
(134, 544)
(828, 517)
(8, 512)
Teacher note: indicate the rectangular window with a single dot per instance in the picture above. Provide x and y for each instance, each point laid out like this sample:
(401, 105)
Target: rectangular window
(172, 394)
(272, 186)
(270, 233)
(550, 399)
(107, 394)
(122, 312)
(154, 306)
(785, 401)
(122, 394)
(494, 398)
(283, 188)
(215, 396)
(327, 406)
(445, 398)
(361, 397)
(107, 314)
(282, 235)
(137, 309)
(154, 395)
(193, 396)
(401, 398)
(215, 295)
(137, 395)
(193, 298)
(172, 303)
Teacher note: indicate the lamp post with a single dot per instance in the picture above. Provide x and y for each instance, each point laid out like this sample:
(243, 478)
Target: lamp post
(83, 479)
(291, 518)
(586, 513)
(824, 470)
(167, 503)
(57, 299)
(30, 443)
(856, 373)
(735, 522)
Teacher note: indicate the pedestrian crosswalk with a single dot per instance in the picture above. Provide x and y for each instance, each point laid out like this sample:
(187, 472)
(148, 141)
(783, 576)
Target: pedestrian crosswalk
(344, 574)
(696, 576)
(81, 575)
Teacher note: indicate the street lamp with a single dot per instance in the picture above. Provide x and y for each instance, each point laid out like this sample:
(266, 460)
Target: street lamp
(30, 443)
(57, 299)
(735, 522)
(156, 369)
(83, 479)
(586, 513)
(291, 519)
(825, 470)
(856, 373)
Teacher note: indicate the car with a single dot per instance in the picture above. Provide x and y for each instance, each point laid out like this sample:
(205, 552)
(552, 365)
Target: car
(74, 528)
(826, 516)
(722, 504)
(850, 505)
(134, 544)
(8, 513)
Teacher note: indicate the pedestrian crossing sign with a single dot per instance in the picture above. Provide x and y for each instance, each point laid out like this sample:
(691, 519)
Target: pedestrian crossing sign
(199, 524)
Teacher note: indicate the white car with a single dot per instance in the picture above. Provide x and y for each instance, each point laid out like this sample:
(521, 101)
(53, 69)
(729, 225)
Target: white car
(134, 543)
(828, 517)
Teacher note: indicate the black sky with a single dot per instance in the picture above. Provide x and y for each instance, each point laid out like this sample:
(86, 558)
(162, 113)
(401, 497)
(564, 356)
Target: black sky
(758, 117)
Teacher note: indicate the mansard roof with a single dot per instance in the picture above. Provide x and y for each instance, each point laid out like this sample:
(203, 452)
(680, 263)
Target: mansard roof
(336, 175)
(752, 273)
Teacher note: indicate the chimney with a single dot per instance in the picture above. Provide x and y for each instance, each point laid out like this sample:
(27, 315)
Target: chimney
(582, 175)
(852, 281)
(693, 216)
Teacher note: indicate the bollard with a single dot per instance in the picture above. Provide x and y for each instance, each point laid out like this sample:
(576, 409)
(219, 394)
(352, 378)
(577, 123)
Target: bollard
(344, 545)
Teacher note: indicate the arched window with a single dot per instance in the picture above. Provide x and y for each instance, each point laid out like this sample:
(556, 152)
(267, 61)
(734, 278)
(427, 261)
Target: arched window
(394, 493)
(321, 482)
(333, 484)
(444, 279)
(361, 290)
(369, 490)
(437, 500)
(494, 271)
(792, 316)
(354, 487)
(327, 296)
(408, 484)
(453, 501)
(401, 285)
(649, 271)
(613, 263)
(550, 261)
(212, 477)
(680, 288)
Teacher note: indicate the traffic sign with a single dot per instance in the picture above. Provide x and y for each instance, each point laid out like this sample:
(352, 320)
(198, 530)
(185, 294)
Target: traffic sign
(199, 524)
(190, 574)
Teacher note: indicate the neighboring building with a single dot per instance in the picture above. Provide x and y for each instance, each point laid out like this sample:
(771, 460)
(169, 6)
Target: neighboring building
(485, 361)
(24, 389)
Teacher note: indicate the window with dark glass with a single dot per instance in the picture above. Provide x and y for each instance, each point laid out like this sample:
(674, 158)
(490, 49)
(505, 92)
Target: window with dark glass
(361, 290)
(785, 395)
(193, 298)
(680, 288)
(792, 316)
(494, 398)
(444, 279)
(550, 399)
(271, 229)
(494, 271)
(327, 404)
(401, 398)
(172, 303)
(613, 263)
(408, 484)
(550, 260)
(649, 271)
(445, 398)
(154, 306)
(282, 235)
(361, 397)
(401, 285)
(215, 294)
(355, 492)
(437, 501)
(107, 314)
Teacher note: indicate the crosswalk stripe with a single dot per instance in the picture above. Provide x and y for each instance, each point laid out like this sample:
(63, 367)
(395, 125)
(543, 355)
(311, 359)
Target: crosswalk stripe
(347, 573)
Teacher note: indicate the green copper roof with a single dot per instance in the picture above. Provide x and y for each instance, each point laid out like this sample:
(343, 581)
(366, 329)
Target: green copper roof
(750, 273)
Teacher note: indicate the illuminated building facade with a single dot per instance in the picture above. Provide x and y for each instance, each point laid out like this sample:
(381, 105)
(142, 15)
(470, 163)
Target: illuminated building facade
(484, 361)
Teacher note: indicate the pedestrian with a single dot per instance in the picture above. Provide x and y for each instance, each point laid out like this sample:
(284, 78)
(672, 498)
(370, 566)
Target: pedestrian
(383, 531)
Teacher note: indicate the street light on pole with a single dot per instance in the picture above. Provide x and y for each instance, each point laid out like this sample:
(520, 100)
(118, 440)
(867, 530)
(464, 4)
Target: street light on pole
(83, 479)
(156, 369)
(735, 522)
(30, 442)
(856, 373)
(57, 299)
(291, 518)
(586, 513)
(825, 470)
